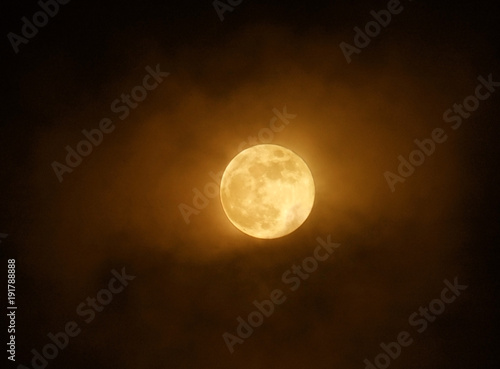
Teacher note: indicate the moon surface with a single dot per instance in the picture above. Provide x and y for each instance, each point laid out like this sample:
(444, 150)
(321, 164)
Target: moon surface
(267, 191)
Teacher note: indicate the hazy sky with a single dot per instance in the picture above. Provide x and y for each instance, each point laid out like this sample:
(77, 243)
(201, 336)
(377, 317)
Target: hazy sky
(227, 80)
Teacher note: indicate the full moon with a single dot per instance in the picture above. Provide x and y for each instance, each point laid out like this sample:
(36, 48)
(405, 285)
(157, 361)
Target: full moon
(267, 191)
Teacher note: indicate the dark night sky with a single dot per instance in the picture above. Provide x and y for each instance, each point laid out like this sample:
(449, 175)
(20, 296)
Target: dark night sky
(120, 207)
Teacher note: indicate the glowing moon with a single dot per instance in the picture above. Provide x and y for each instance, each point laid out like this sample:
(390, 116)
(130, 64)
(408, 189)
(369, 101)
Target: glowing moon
(267, 191)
